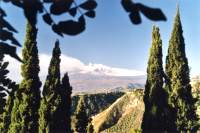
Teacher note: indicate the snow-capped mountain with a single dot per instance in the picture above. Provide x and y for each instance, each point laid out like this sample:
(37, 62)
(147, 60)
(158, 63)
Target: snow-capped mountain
(103, 70)
(103, 83)
(84, 77)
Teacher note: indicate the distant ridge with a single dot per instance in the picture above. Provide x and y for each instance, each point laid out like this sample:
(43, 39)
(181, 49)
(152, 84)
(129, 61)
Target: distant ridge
(89, 83)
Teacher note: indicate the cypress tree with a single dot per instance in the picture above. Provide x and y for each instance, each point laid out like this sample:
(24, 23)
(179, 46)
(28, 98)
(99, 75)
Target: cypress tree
(81, 117)
(7, 88)
(178, 81)
(64, 113)
(155, 97)
(50, 103)
(90, 128)
(6, 118)
(24, 115)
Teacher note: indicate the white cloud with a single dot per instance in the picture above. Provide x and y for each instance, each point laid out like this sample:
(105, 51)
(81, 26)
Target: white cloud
(70, 65)
(100, 69)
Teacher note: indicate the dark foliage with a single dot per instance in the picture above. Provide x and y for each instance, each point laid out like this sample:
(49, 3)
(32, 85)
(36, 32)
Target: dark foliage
(7, 86)
(6, 117)
(155, 97)
(7, 89)
(178, 82)
(24, 115)
(55, 108)
(85, 8)
(134, 10)
(51, 101)
(70, 26)
(9, 50)
(6, 34)
(81, 118)
(65, 106)
(95, 103)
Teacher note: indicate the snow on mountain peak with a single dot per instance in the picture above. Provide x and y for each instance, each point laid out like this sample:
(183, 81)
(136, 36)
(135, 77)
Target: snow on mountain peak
(100, 69)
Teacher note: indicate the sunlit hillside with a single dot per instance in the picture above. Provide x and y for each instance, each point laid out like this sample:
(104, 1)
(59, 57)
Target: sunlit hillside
(123, 115)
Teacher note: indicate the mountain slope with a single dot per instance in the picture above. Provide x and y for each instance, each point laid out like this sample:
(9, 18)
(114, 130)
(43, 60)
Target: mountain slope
(95, 103)
(123, 115)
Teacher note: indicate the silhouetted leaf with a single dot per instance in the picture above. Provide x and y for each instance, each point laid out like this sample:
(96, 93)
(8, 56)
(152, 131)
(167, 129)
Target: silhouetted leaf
(48, 1)
(6, 35)
(2, 12)
(81, 20)
(17, 3)
(9, 50)
(90, 14)
(4, 23)
(60, 6)
(89, 5)
(39, 6)
(6, 0)
(14, 41)
(1, 88)
(4, 73)
(30, 11)
(5, 65)
(56, 29)
(154, 14)
(127, 5)
(47, 18)
(71, 27)
(73, 11)
(2, 94)
(135, 17)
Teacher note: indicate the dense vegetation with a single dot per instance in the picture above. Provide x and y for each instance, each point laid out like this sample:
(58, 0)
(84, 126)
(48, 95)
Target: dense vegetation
(7, 89)
(178, 82)
(51, 99)
(169, 107)
(154, 118)
(81, 118)
(196, 94)
(24, 115)
(56, 102)
(174, 110)
(123, 115)
(95, 103)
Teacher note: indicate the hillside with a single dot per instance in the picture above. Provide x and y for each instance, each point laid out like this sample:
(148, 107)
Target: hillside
(117, 112)
(95, 103)
(125, 114)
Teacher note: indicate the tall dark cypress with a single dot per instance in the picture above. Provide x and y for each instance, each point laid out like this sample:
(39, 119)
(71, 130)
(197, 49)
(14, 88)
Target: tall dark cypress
(64, 113)
(6, 119)
(178, 81)
(81, 117)
(7, 88)
(51, 98)
(155, 97)
(24, 115)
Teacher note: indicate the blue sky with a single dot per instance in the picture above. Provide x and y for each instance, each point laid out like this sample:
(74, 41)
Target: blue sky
(111, 39)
